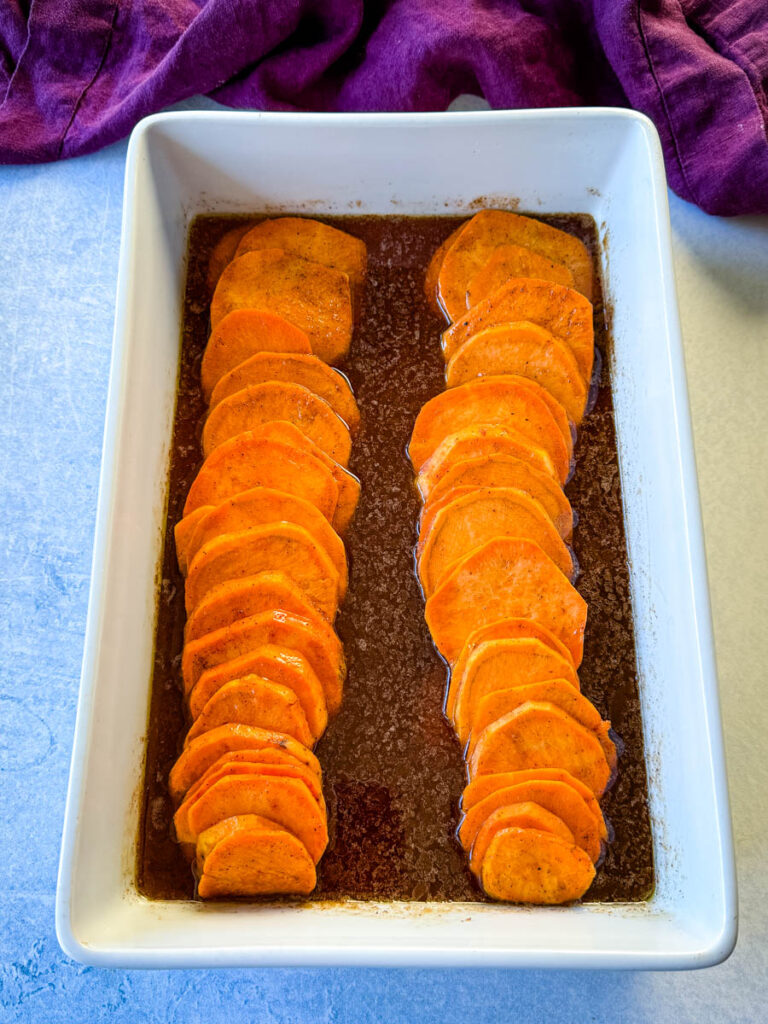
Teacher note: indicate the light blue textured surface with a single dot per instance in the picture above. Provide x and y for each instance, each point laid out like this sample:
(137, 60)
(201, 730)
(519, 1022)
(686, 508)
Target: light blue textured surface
(60, 228)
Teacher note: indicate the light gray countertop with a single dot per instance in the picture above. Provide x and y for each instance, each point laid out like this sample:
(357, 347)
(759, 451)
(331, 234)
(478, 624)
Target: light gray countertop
(58, 263)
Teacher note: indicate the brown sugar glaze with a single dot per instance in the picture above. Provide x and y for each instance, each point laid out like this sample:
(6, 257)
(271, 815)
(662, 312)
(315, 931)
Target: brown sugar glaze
(392, 767)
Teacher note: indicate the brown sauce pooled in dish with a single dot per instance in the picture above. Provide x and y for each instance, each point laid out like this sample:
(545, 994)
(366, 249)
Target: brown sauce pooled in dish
(392, 767)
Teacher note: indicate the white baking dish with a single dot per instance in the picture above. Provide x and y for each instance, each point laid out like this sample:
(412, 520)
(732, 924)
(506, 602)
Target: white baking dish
(604, 162)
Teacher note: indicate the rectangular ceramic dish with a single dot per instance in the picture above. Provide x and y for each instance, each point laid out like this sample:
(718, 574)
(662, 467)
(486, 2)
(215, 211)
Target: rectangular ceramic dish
(606, 163)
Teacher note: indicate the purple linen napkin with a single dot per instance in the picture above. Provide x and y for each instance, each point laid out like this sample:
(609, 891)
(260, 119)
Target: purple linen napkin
(76, 75)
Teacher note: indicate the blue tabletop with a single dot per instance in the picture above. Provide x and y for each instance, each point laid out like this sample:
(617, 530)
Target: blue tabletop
(59, 247)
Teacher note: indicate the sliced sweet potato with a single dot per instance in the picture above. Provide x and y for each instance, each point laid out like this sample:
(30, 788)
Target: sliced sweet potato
(503, 629)
(491, 706)
(490, 402)
(540, 735)
(524, 865)
(262, 505)
(501, 664)
(294, 368)
(309, 295)
(478, 443)
(257, 862)
(266, 757)
(184, 531)
(249, 461)
(278, 400)
(433, 270)
(207, 840)
(490, 229)
(526, 350)
(519, 815)
(475, 518)
(506, 578)
(259, 768)
(554, 794)
(276, 547)
(245, 333)
(514, 261)
(281, 665)
(253, 700)
(562, 311)
(198, 757)
(283, 800)
(348, 485)
(251, 595)
(223, 253)
(311, 240)
(318, 644)
(505, 471)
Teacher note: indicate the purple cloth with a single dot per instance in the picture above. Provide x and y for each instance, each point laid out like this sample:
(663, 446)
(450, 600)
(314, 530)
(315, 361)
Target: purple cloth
(78, 74)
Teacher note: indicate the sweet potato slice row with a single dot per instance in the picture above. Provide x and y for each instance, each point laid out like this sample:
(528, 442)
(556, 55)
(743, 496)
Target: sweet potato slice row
(490, 229)
(526, 350)
(525, 865)
(475, 518)
(506, 578)
(293, 368)
(201, 753)
(263, 505)
(309, 295)
(562, 311)
(243, 334)
(554, 795)
(275, 547)
(541, 735)
(508, 261)
(491, 402)
(503, 471)
(249, 461)
(258, 404)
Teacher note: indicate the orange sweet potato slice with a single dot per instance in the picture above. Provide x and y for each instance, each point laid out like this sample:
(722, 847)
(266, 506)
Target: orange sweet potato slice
(262, 505)
(490, 229)
(562, 311)
(278, 664)
(258, 404)
(293, 368)
(503, 629)
(514, 261)
(257, 862)
(309, 295)
(477, 517)
(554, 795)
(348, 485)
(540, 735)
(317, 643)
(207, 840)
(266, 757)
(505, 471)
(245, 333)
(249, 461)
(433, 270)
(229, 768)
(198, 757)
(184, 531)
(524, 865)
(311, 240)
(477, 443)
(499, 665)
(251, 595)
(508, 577)
(529, 351)
(275, 547)
(491, 706)
(519, 815)
(490, 402)
(253, 700)
(223, 253)
(283, 800)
